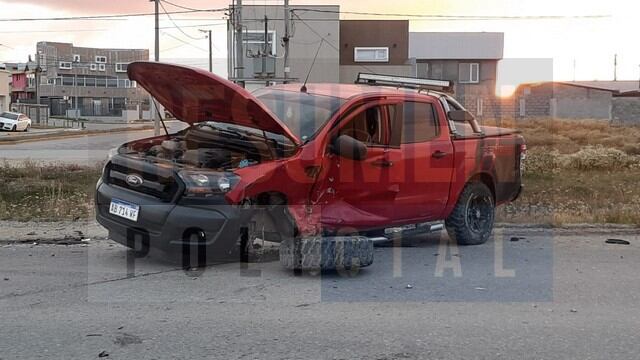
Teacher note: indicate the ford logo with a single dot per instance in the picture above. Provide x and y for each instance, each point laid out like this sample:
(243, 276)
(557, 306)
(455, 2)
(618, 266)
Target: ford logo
(134, 180)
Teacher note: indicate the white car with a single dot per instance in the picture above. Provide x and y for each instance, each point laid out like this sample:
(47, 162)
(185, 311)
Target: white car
(14, 122)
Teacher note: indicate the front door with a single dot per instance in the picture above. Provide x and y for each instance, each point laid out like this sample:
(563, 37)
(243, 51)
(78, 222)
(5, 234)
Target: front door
(359, 194)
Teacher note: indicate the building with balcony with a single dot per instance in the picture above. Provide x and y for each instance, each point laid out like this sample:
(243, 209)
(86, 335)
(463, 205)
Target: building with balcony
(89, 82)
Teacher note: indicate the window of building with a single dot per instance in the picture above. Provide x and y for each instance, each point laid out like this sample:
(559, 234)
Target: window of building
(254, 42)
(76, 58)
(418, 121)
(124, 83)
(101, 82)
(371, 54)
(112, 83)
(65, 65)
(93, 67)
(102, 67)
(101, 59)
(367, 127)
(121, 67)
(68, 81)
(91, 82)
(469, 73)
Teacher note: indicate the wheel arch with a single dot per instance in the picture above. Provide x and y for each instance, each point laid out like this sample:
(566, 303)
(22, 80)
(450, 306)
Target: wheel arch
(485, 178)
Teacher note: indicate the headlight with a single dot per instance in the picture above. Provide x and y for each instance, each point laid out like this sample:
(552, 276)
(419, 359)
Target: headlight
(205, 184)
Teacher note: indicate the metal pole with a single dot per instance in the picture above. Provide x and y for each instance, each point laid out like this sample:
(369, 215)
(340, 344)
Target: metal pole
(615, 67)
(152, 108)
(210, 48)
(210, 52)
(265, 46)
(287, 36)
(239, 43)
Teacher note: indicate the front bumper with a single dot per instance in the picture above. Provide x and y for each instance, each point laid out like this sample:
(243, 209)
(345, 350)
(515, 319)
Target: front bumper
(166, 226)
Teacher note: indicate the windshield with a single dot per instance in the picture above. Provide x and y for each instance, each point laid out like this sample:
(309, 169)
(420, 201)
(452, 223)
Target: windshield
(9, 116)
(304, 114)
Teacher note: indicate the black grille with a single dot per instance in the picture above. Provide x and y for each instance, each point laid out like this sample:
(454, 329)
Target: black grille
(158, 182)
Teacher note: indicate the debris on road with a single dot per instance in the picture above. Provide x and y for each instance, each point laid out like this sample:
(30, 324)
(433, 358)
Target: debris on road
(409, 286)
(617, 242)
(574, 310)
(103, 354)
(517, 238)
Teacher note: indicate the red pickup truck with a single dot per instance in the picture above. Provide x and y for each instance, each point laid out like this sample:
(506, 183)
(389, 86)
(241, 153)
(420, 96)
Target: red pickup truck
(325, 169)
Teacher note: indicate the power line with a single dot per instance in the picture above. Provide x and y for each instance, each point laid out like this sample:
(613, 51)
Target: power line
(181, 6)
(107, 17)
(326, 40)
(457, 17)
(184, 42)
(175, 24)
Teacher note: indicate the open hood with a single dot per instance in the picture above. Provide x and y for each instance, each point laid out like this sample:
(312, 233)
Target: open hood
(194, 95)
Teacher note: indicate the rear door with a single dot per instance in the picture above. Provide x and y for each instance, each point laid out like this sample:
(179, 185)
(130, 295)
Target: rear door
(424, 166)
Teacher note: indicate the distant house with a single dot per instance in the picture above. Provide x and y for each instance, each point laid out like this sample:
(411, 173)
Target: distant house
(469, 59)
(5, 95)
(604, 100)
(374, 46)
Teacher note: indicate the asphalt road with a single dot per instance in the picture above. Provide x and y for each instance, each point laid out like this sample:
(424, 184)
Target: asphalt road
(551, 296)
(83, 150)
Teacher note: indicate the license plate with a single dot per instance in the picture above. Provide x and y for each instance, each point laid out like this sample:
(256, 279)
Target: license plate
(124, 210)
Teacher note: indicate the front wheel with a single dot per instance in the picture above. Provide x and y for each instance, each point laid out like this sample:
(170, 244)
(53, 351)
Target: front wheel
(14, 128)
(471, 222)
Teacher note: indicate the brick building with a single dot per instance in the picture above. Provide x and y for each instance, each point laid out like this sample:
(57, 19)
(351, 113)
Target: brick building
(92, 80)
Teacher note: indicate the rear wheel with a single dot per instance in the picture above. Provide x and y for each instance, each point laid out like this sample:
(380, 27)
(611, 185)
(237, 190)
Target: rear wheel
(26, 129)
(471, 222)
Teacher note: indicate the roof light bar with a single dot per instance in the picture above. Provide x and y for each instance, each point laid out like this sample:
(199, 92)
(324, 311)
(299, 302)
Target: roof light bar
(406, 82)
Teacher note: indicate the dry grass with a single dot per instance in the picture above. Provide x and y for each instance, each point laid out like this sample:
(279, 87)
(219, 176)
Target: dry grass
(46, 192)
(583, 171)
(569, 136)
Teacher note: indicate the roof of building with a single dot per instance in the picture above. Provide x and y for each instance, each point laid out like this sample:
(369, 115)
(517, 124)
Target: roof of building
(456, 45)
(622, 87)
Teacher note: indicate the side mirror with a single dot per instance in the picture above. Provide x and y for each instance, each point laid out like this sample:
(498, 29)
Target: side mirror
(461, 116)
(349, 148)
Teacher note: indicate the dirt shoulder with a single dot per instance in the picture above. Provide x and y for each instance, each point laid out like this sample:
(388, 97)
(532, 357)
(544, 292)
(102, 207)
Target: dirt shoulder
(62, 134)
(77, 232)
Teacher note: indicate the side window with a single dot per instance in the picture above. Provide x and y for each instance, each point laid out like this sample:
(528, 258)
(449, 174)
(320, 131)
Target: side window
(419, 123)
(367, 127)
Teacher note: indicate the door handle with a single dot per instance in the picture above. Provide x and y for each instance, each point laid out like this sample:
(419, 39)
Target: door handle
(439, 154)
(382, 163)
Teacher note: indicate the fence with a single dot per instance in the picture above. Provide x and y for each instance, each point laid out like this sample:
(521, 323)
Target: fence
(39, 114)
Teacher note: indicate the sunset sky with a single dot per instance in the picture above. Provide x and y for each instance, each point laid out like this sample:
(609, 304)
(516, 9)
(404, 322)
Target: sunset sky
(589, 42)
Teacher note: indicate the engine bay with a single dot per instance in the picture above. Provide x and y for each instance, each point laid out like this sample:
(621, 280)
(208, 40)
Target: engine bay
(207, 146)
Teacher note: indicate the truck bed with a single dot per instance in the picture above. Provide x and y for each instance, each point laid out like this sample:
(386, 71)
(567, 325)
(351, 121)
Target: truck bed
(464, 131)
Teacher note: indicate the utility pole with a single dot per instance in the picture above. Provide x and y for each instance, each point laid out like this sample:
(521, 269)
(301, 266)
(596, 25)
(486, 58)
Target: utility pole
(152, 105)
(615, 67)
(239, 43)
(210, 48)
(286, 38)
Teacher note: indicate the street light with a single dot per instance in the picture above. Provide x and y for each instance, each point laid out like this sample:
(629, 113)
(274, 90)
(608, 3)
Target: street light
(208, 32)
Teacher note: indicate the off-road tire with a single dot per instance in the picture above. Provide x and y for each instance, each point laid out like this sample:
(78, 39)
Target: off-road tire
(461, 224)
(326, 253)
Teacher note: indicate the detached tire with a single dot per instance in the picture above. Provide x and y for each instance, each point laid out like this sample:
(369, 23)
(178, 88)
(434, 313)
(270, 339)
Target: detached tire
(326, 253)
(471, 222)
